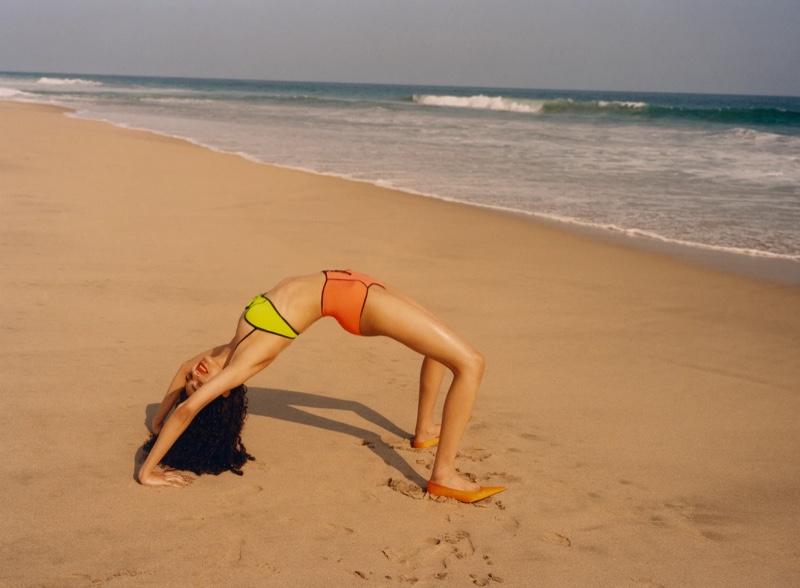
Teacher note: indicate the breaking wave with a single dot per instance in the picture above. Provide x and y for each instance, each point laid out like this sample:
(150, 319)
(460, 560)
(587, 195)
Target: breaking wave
(12, 93)
(744, 116)
(67, 82)
(481, 102)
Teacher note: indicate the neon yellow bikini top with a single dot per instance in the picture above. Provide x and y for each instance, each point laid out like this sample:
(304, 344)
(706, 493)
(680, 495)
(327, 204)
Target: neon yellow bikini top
(261, 314)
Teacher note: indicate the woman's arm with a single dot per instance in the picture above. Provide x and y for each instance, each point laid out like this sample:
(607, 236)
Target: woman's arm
(246, 363)
(171, 397)
(176, 385)
(230, 377)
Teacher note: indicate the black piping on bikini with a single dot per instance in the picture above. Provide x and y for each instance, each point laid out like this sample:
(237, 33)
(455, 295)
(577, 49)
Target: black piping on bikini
(255, 328)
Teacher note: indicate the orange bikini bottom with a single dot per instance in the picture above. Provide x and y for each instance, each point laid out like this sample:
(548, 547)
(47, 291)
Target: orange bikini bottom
(344, 295)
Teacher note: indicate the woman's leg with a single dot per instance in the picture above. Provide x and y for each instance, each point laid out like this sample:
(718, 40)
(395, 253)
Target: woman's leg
(392, 314)
(430, 382)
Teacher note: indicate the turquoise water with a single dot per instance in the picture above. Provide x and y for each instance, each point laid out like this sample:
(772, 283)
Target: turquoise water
(714, 172)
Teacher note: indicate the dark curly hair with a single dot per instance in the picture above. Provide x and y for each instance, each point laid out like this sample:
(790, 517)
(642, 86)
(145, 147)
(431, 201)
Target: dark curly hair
(212, 443)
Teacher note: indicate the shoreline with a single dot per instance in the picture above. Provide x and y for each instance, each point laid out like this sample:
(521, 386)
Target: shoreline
(781, 271)
(770, 267)
(641, 410)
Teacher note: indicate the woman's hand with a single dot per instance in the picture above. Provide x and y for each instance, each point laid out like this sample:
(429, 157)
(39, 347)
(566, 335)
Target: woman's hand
(164, 478)
(156, 427)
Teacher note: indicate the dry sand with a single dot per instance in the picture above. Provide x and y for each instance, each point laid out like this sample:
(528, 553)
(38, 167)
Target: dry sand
(643, 412)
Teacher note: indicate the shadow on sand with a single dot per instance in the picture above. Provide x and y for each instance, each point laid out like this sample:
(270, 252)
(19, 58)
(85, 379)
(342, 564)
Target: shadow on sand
(288, 405)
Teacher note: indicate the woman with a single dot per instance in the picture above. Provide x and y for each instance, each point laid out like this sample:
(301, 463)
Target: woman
(362, 306)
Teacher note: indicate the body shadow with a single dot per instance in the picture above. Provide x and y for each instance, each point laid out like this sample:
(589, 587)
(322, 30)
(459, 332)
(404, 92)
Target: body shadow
(287, 405)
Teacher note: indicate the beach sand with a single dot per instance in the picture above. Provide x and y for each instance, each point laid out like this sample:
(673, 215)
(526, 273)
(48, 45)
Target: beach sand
(642, 411)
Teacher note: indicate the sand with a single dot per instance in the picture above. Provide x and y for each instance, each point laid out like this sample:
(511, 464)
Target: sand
(643, 411)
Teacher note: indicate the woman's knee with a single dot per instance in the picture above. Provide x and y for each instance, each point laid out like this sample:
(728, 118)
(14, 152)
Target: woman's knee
(471, 363)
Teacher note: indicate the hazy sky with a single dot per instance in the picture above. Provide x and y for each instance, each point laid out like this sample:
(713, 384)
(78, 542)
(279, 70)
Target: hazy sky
(729, 46)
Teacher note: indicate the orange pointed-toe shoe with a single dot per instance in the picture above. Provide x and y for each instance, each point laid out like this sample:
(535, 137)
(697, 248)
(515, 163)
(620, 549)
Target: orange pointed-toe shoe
(464, 495)
(424, 444)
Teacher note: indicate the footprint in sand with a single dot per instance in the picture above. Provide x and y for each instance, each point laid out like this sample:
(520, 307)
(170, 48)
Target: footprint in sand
(79, 579)
(511, 526)
(333, 531)
(704, 518)
(267, 569)
(499, 477)
(451, 557)
(461, 548)
(556, 539)
(475, 454)
(240, 494)
(394, 556)
(457, 544)
(232, 554)
(406, 488)
(461, 544)
(486, 580)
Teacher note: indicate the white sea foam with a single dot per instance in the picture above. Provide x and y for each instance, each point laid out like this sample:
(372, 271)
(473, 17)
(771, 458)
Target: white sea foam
(178, 100)
(617, 104)
(642, 234)
(67, 82)
(761, 137)
(501, 103)
(481, 102)
(12, 93)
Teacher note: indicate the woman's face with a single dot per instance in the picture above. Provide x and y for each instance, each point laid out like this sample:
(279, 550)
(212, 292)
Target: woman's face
(201, 372)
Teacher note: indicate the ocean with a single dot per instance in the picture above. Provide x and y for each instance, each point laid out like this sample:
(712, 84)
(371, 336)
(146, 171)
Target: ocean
(711, 172)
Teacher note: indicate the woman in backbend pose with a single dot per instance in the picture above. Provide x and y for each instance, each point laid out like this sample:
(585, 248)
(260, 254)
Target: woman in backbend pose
(267, 326)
